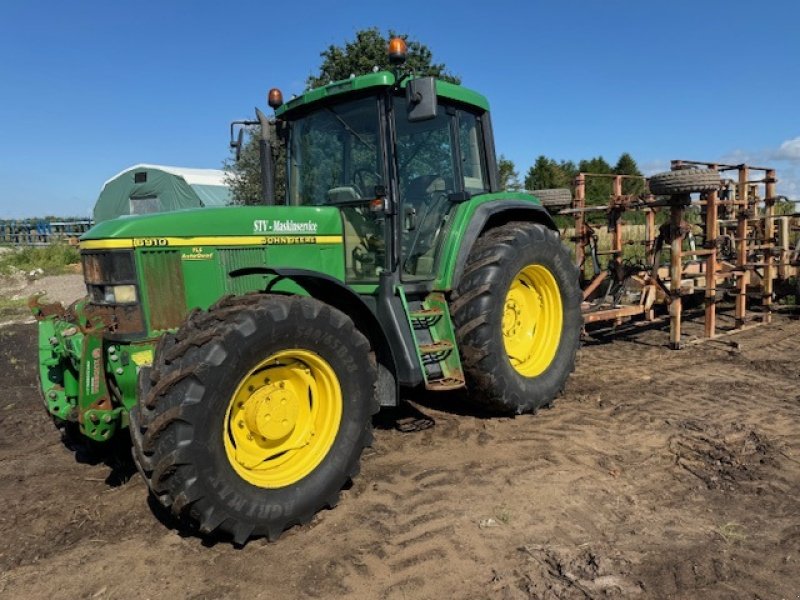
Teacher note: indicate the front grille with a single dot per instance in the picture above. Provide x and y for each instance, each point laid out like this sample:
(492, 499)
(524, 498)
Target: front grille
(164, 287)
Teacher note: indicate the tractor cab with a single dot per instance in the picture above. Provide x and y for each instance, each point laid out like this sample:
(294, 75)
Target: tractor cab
(395, 172)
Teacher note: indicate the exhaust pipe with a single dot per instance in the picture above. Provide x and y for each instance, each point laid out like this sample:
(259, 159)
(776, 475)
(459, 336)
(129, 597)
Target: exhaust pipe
(265, 160)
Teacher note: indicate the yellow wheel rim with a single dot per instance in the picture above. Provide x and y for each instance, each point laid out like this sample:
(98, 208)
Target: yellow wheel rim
(283, 418)
(532, 320)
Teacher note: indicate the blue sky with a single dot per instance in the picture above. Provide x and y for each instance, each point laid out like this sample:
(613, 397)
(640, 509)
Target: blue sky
(89, 88)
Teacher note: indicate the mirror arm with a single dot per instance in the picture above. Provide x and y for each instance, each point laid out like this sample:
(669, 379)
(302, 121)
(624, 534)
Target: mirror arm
(236, 141)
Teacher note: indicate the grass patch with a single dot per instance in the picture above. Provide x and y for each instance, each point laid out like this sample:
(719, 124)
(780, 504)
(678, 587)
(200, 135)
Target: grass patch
(52, 259)
(13, 308)
(732, 532)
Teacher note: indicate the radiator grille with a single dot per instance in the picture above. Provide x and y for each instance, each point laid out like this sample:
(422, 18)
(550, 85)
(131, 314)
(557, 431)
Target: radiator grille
(163, 279)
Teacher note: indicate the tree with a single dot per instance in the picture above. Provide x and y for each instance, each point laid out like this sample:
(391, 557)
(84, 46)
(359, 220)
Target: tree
(508, 177)
(368, 50)
(546, 173)
(627, 166)
(598, 189)
(357, 56)
(244, 176)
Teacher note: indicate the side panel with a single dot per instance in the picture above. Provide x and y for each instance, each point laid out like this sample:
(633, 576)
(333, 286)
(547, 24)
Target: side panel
(471, 218)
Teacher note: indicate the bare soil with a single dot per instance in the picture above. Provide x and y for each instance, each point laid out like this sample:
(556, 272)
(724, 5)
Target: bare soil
(16, 288)
(659, 474)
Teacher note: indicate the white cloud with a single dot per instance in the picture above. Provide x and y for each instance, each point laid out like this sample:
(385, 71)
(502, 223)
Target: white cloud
(785, 159)
(651, 167)
(789, 150)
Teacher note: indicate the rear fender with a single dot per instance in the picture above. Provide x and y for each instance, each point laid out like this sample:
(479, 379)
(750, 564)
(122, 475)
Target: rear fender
(494, 214)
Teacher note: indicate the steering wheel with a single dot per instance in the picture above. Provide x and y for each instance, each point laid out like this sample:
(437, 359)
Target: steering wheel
(360, 179)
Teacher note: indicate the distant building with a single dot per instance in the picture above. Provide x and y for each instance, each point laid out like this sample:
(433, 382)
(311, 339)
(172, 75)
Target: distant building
(143, 189)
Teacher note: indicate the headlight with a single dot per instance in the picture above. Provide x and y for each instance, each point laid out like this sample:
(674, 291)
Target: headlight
(110, 276)
(113, 294)
(122, 294)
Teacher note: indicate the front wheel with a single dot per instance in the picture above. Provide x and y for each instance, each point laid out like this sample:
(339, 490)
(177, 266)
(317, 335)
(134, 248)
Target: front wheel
(518, 318)
(255, 414)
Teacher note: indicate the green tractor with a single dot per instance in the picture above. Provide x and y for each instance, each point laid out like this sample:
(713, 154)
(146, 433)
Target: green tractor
(247, 348)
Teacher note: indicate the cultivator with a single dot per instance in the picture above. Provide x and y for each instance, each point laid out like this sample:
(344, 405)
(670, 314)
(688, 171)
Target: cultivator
(723, 238)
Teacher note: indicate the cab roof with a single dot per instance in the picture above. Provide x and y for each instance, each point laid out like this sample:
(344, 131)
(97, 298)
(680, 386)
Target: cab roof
(444, 89)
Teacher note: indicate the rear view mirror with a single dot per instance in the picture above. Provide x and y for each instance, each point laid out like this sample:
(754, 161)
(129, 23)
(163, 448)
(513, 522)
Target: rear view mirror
(237, 145)
(421, 99)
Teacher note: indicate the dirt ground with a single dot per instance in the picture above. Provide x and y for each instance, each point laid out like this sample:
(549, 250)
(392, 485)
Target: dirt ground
(658, 474)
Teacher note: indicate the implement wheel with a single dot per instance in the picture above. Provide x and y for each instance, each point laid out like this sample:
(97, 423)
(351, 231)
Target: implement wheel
(684, 181)
(517, 316)
(255, 414)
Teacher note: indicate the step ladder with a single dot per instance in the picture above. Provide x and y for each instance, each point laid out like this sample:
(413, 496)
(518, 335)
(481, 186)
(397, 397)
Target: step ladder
(435, 341)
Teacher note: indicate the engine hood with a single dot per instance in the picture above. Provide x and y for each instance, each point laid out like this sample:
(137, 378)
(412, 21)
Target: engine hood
(233, 221)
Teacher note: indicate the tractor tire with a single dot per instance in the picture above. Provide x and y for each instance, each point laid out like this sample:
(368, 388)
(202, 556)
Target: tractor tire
(255, 414)
(517, 312)
(684, 181)
(555, 198)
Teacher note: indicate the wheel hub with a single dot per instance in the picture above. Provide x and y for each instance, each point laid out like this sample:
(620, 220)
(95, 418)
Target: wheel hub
(271, 412)
(532, 320)
(283, 418)
(515, 306)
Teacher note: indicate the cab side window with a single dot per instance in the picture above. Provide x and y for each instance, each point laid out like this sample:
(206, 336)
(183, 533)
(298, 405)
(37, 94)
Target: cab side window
(473, 169)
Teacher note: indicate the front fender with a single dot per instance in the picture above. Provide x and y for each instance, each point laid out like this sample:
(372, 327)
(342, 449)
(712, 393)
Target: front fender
(391, 349)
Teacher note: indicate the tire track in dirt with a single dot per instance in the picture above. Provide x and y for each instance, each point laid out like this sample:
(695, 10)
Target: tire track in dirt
(592, 498)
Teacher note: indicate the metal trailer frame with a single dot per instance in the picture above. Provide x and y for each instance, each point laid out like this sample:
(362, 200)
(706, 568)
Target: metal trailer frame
(741, 214)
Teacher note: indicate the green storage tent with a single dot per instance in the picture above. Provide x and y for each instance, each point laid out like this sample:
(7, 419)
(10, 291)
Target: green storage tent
(145, 189)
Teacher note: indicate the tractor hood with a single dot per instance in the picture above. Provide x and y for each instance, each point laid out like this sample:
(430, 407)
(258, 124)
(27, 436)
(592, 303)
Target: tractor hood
(199, 225)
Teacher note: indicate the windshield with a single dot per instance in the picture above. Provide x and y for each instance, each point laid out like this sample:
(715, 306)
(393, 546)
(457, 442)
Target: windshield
(335, 154)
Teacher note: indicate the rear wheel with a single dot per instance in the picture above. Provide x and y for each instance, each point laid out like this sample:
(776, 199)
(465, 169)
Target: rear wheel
(517, 316)
(255, 414)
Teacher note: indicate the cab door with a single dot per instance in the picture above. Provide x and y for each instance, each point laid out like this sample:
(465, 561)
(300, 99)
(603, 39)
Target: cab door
(438, 161)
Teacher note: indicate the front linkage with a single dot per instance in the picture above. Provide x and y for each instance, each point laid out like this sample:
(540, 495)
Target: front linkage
(86, 378)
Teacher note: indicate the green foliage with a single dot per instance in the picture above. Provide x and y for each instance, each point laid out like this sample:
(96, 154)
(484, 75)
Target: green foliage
(546, 174)
(368, 50)
(598, 189)
(51, 259)
(357, 56)
(785, 207)
(244, 176)
(508, 177)
(626, 165)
